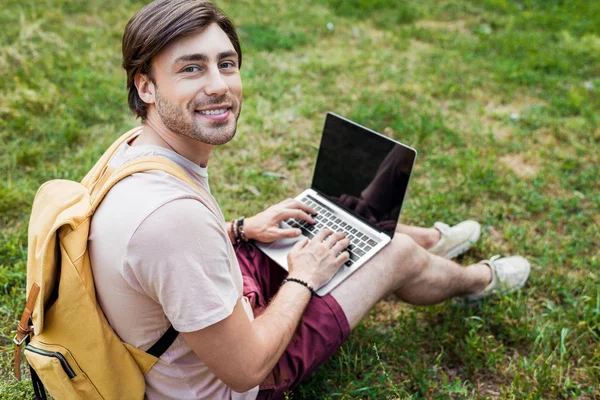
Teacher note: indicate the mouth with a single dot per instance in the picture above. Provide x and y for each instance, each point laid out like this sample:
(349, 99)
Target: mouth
(216, 113)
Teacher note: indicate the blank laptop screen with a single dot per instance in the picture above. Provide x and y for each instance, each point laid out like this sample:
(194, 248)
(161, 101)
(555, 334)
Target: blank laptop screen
(364, 172)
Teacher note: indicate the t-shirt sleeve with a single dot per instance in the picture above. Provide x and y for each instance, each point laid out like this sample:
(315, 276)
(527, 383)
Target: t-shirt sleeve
(178, 257)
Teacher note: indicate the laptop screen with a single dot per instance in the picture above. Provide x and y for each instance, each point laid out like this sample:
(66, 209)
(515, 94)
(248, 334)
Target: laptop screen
(363, 172)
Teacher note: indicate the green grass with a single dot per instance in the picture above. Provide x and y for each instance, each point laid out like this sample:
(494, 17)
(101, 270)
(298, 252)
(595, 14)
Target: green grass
(500, 97)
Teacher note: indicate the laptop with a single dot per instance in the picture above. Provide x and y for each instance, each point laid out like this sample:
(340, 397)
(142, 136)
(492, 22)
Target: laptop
(358, 187)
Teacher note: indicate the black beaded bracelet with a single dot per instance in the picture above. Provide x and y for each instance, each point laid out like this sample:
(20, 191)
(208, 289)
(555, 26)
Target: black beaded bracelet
(306, 285)
(240, 230)
(237, 227)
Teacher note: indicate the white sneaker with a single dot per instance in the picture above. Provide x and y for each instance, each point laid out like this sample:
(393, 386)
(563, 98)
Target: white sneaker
(508, 275)
(455, 240)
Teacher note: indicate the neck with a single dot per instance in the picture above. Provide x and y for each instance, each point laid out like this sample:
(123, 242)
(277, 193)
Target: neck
(157, 134)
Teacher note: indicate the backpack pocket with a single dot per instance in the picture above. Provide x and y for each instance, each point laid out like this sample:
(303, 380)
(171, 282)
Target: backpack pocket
(59, 372)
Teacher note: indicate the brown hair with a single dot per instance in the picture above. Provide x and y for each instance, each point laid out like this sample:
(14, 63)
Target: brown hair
(156, 25)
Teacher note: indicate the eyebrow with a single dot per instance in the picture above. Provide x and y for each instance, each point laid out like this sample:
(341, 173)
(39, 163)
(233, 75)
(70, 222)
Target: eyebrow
(203, 57)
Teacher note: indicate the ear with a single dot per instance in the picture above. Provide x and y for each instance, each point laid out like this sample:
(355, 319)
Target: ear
(145, 88)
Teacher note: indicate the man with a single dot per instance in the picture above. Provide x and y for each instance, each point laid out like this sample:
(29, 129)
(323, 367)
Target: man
(245, 332)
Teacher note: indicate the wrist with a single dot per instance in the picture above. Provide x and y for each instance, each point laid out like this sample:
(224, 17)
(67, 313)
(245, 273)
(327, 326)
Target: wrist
(309, 288)
(237, 231)
(305, 278)
(249, 228)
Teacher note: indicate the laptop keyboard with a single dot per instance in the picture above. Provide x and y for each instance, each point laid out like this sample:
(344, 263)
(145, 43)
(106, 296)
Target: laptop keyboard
(360, 243)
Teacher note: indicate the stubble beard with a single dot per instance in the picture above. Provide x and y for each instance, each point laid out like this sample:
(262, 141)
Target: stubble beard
(186, 123)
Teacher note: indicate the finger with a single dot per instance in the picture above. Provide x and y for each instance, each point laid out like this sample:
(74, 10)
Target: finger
(338, 236)
(330, 241)
(300, 205)
(288, 233)
(321, 235)
(300, 244)
(298, 214)
(334, 238)
(342, 258)
(340, 245)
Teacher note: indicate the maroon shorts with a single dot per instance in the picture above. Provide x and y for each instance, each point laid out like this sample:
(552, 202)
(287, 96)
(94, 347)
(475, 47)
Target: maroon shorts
(322, 329)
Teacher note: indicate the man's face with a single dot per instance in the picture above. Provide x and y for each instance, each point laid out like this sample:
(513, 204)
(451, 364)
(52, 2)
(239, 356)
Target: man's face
(198, 88)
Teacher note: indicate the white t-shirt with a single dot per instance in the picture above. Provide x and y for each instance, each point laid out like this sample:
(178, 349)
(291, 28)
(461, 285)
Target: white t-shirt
(160, 257)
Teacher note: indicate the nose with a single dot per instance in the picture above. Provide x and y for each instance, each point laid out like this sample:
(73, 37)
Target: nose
(216, 85)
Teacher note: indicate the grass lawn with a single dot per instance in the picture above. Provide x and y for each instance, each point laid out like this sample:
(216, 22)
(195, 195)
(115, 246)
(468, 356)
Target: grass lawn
(500, 97)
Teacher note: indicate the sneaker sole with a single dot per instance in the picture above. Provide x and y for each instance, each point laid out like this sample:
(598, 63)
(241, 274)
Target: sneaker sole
(460, 249)
(462, 302)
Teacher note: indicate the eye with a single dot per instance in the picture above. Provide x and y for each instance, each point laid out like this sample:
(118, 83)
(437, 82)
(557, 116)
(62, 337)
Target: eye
(227, 64)
(191, 69)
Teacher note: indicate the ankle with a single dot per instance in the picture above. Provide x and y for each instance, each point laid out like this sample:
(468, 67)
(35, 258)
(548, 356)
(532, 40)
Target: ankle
(430, 239)
(482, 278)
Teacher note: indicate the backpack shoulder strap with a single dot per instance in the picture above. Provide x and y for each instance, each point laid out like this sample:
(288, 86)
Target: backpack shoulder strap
(111, 178)
(162, 344)
(146, 359)
(99, 168)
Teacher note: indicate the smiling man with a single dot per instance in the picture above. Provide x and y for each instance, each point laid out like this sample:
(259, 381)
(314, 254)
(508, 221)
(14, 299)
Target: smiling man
(248, 329)
(200, 91)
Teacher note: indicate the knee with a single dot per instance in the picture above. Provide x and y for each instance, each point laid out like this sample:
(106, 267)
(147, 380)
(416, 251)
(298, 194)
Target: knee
(412, 257)
(404, 246)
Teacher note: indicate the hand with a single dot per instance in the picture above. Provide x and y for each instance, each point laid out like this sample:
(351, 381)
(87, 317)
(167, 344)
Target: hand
(315, 261)
(264, 226)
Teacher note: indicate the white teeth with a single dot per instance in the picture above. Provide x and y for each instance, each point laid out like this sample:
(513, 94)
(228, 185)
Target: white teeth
(213, 112)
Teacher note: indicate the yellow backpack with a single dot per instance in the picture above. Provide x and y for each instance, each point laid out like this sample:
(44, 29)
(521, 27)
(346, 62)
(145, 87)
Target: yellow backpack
(70, 347)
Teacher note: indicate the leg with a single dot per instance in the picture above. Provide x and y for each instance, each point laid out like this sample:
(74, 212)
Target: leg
(424, 237)
(442, 239)
(413, 274)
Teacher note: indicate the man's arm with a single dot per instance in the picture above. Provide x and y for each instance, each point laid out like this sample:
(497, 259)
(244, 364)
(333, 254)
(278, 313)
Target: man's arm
(264, 226)
(242, 353)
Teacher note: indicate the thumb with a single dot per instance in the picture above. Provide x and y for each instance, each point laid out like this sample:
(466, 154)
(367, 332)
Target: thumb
(289, 233)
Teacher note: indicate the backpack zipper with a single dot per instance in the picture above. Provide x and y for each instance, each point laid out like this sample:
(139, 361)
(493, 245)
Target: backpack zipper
(63, 361)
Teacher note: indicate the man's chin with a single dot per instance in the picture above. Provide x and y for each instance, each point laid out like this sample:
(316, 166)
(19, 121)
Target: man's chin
(216, 135)
(215, 132)
(222, 139)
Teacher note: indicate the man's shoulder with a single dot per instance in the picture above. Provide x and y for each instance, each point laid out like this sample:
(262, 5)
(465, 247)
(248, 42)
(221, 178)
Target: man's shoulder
(154, 186)
(135, 198)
